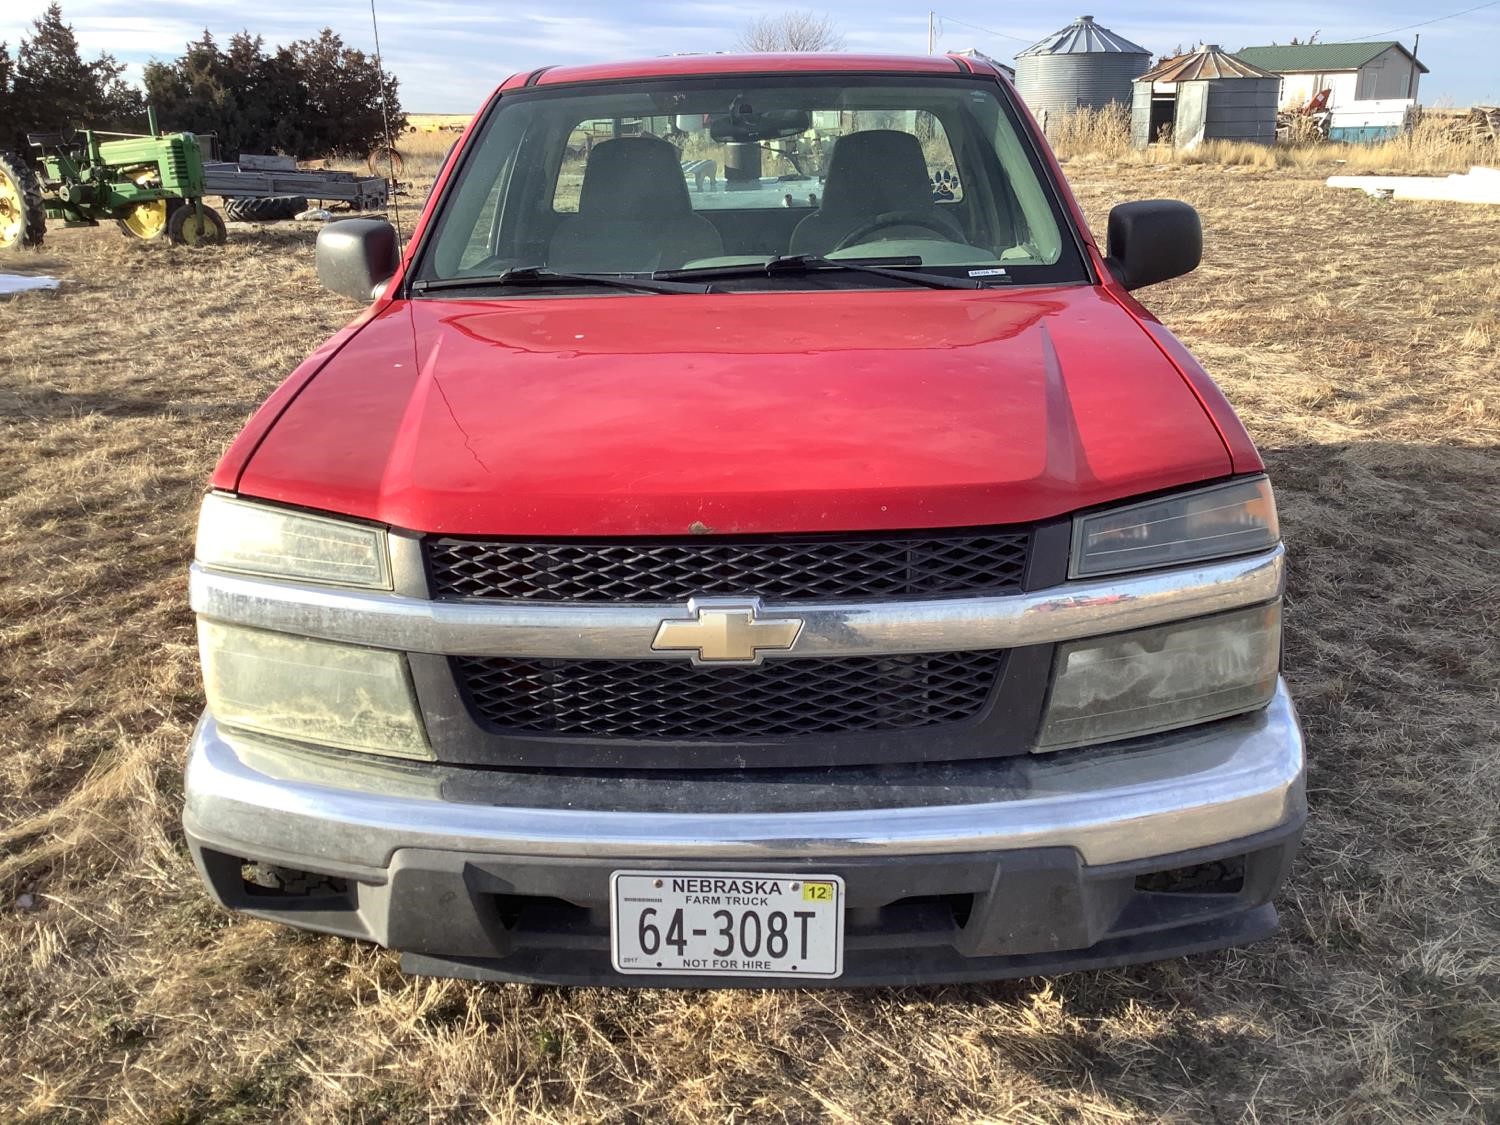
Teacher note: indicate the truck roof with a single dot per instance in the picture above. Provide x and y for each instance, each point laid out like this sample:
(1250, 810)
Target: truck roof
(766, 63)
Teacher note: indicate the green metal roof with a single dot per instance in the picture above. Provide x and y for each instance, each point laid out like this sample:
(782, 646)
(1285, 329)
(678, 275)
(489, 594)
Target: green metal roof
(1322, 58)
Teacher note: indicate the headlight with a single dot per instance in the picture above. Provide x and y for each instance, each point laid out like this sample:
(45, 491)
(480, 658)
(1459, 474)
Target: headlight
(1209, 523)
(311, 691)
(1157, 679)
(259, 539)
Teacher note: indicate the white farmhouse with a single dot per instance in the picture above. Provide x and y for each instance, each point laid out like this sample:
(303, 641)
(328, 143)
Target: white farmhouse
(1353, 72)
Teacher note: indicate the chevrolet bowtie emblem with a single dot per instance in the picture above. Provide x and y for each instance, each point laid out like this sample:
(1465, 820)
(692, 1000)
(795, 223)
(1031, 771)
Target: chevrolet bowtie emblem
(726, 631)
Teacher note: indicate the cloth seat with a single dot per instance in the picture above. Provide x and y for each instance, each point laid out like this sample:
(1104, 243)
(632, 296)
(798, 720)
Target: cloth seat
(870, 174)
(634, 213)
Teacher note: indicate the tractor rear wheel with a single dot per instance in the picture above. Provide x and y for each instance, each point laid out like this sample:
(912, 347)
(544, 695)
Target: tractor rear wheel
(23, 216)
(146, 221)
(186, 227)
(264, 209)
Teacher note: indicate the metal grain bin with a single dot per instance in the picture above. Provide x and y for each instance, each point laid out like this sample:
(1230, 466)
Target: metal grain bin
(1083, 66)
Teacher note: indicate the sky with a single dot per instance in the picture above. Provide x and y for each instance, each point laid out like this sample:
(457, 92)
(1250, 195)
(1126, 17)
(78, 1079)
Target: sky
(449, 54)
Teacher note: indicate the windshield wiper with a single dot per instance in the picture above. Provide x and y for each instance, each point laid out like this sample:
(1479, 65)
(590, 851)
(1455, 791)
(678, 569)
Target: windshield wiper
(539, 277)
(898, 269)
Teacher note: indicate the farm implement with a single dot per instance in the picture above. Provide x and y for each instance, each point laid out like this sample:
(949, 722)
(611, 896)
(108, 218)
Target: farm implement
(266, 188)
(151, 186)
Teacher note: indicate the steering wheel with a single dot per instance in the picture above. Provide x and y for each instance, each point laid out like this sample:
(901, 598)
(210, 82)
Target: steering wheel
(927, 220)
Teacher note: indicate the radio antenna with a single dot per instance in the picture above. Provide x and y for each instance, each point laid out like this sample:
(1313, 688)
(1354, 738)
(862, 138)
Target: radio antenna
(385, 117)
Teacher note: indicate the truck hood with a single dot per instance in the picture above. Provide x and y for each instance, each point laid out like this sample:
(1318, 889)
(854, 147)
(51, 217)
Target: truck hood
(744, 412)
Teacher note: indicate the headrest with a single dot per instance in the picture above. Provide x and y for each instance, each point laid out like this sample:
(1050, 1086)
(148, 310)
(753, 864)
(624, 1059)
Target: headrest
(634, 178)
(876, 171)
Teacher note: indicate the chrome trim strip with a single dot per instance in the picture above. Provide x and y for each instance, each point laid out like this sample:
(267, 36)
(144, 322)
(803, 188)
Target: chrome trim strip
(624, 631)
(1192, 789)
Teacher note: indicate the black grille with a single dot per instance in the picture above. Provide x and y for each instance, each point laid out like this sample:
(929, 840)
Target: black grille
(661, 699)
(776, 569)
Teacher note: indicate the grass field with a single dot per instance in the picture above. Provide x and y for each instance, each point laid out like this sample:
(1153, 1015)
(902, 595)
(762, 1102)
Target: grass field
(1438, 143)
(1361, 342)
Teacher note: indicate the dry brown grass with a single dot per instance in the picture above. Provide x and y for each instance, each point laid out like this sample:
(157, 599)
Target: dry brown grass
(422, 152)
(1099, 134)
(1432, 147)
(425, 152)
(1361, 341)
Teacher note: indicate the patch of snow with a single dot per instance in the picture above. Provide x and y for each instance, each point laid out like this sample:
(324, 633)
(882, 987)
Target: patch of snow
(20, 283)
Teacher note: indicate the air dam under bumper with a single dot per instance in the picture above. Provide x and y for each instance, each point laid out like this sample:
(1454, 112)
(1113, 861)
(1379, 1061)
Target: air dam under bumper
(1056, 869)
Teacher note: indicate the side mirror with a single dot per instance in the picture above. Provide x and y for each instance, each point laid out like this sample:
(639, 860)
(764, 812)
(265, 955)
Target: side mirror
(1153, 240)
(355, 256)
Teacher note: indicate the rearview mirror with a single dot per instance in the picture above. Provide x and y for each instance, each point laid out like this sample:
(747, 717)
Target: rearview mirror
(1153, 240)
(746, 125)
(355, 256)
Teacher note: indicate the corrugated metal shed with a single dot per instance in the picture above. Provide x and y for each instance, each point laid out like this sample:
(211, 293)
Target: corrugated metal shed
(1207, 62)
(1204, 95)
(1083, 66)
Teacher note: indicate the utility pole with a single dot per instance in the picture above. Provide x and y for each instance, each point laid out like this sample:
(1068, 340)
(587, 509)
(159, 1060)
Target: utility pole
(1411, 83)
(931, 32)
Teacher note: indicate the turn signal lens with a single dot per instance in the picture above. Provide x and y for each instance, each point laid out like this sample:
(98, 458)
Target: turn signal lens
(1208, 523)
(1158, 679)
(311, 691)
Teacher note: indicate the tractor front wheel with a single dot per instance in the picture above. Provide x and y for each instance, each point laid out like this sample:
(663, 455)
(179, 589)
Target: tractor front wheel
(23, 216)
(190, 229)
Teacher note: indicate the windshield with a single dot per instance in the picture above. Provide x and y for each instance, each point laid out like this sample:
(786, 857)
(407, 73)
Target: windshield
(711, 174)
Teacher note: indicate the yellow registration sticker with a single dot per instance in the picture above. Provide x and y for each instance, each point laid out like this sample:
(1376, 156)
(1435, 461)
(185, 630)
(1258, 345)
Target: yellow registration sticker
(817, 892)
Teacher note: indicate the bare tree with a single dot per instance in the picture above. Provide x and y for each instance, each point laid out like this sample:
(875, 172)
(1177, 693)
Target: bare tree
(792, 31)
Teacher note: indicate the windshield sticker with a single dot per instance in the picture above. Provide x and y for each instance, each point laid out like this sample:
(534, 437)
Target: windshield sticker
(986, 273)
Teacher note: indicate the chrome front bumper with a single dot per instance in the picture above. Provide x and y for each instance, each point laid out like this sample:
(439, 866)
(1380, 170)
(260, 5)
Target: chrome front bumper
(344, 815)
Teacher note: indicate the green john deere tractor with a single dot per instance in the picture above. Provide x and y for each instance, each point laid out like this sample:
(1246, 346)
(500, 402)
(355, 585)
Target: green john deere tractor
(150, 185)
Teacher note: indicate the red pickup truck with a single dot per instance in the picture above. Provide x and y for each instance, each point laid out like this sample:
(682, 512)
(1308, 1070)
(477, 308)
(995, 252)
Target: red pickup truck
(752, 536)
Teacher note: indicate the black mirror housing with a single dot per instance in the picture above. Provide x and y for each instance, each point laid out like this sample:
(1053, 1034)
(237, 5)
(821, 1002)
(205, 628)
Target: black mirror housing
(355, 256)
(1153, 240)
(768, 125)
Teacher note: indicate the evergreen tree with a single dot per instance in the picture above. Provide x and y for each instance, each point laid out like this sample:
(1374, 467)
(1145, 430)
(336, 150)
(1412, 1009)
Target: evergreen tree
(118, 105)
(189, 94)
(282, 107)
(49, 88)
(6, 67)
(53, 87)
(344, 91)
(310, 98)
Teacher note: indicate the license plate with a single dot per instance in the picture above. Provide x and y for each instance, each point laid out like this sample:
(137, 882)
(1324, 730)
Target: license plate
(727, 923)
